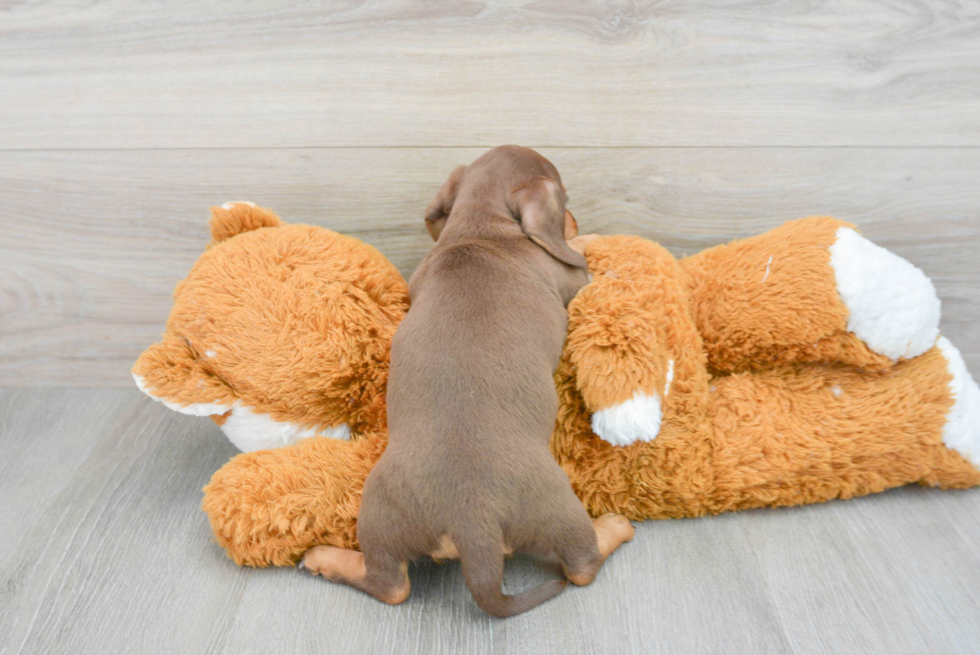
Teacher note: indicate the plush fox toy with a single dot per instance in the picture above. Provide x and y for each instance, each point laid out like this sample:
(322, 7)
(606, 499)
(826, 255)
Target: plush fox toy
(794, 367)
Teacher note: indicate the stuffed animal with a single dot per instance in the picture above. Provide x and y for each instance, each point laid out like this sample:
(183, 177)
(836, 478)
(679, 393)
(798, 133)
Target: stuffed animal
(793, 367)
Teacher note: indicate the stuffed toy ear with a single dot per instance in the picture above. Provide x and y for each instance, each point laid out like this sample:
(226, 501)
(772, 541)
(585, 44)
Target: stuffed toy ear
(171, 373)
(233, 218)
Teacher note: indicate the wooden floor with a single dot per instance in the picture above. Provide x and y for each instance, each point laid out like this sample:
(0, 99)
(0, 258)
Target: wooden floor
(103, 550)
(687, 122)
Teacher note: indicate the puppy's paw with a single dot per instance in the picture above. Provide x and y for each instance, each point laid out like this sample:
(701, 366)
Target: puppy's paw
(616, 526)
(321, 560)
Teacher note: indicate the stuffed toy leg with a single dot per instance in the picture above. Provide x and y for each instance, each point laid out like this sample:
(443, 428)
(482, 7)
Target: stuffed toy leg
(268, 507)
(813, 290)
(819, 432)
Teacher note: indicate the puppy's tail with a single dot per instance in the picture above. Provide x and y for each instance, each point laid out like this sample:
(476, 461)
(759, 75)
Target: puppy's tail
(482, 557)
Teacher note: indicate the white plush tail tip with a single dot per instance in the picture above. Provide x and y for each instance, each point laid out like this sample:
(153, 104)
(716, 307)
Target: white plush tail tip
(962, 430)
(893, 305)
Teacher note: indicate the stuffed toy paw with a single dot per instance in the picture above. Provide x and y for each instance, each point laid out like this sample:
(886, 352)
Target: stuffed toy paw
(793, 367)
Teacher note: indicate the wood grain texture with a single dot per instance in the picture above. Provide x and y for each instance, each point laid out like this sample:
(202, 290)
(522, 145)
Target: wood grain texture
(103, 549)
(464, 73)
(93, 242)
(687, 122)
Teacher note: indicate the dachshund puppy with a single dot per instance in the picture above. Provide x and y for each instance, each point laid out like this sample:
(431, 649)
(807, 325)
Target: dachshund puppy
(471, 399)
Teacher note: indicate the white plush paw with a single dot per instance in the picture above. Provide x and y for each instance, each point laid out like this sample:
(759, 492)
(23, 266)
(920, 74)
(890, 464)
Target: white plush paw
(893, 306)
(250, 430)
(637, 419)
(191, 409)
(962, 430)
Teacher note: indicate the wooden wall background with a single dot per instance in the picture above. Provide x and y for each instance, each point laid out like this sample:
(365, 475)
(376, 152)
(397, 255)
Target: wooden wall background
(684, 121)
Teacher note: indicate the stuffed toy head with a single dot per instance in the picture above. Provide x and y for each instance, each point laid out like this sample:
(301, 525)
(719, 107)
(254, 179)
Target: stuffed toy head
(278, 333)
(797, 366)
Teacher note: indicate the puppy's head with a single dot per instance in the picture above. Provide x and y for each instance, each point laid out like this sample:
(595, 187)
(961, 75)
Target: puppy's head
(522, 184)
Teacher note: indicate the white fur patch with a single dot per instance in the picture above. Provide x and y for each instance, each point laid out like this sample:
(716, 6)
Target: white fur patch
(893, 306)
(229, 205)
(962, 430)
(670, 377)
(637, 419)
(250, 430)
(192, 409)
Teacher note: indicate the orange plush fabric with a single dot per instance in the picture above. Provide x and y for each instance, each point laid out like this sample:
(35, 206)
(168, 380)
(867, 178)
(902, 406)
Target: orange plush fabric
(269, 506)
(787, 429)
(728, 380)
(279, 332)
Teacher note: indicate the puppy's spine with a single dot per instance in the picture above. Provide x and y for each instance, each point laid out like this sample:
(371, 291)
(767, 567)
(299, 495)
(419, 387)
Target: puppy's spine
(233, 218)
(482, 556)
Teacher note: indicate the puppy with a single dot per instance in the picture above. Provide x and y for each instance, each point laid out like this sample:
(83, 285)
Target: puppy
(471, 399)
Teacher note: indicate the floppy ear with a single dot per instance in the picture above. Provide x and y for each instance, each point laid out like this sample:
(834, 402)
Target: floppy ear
(438, 211)
(571, 226)
(540, 207)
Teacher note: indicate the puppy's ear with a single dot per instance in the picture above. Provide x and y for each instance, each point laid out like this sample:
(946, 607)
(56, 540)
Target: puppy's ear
(438, 211)
(540, 207)
(571, 226)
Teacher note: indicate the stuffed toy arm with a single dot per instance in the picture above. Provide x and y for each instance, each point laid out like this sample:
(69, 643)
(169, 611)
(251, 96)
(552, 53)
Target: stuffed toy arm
(616, 337)
(812, 290)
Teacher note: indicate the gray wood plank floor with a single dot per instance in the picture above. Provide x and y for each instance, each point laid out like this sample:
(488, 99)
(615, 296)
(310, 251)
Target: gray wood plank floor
(104, 549)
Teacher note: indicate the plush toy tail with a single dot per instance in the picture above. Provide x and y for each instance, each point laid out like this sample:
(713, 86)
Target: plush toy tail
(233, 218)
(483, 569)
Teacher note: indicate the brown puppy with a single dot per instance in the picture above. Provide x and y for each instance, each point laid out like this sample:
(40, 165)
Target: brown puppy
(472, 402)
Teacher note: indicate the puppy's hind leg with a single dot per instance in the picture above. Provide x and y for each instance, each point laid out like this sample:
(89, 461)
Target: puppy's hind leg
(584, 554)
(612, 531)
(376, 570)
(382, 576)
